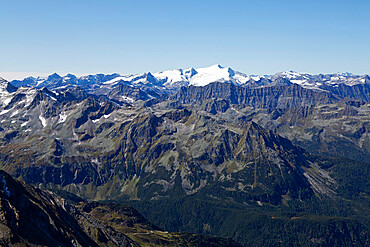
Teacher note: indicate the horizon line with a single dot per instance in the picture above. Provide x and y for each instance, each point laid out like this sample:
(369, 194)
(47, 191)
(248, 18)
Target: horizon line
(21, 75)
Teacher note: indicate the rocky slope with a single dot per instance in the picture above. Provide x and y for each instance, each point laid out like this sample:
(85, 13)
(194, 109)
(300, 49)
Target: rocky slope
(292, 96)
(33, 217)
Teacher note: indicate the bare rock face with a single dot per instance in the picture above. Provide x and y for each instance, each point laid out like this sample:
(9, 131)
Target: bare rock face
(291, 96)
(6, 86)
(357, 92)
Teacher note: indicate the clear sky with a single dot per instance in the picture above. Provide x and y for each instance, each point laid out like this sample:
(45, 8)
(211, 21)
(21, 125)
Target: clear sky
(133, 36)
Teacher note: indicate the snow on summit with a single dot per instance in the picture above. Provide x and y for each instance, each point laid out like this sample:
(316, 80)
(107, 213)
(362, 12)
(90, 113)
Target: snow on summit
(210, 74)
(172, 80)
(175, 75)
(201, 76)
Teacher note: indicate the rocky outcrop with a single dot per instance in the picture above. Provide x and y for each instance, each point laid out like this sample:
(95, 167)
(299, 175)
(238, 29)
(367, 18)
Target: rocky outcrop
(126, 94)
(359, 92)
(29, 216)
(7, 86)
(292, 96)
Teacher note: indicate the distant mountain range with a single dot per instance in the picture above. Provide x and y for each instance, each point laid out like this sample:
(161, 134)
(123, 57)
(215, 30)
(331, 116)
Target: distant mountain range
(167, 82)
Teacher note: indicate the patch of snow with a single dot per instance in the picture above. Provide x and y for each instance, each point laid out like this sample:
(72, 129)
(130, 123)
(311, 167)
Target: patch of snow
(40, 80)
(51, 97)
(243, 79)
(172, 76)
(299, 82)
(334, 78)
(291, 74)
(128, 99)
(62, 87)
(62, 117)
(43, 120)
(7, 101)
(4, 111)
(14, 113)
(29, 98)
(256, 78)
(115, 80)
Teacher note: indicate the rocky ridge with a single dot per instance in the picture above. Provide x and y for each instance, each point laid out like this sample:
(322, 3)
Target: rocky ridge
(33, 217)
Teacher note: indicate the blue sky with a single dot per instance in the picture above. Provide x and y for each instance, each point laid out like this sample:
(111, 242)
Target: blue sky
(128, 36)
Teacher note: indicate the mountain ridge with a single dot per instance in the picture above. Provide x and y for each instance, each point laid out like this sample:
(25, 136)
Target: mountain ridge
(173, 79)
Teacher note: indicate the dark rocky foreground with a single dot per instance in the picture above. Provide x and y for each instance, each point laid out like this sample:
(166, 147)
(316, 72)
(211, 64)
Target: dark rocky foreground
(32, 217)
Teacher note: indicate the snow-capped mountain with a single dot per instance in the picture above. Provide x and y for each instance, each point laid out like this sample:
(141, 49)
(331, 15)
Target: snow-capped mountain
(321, 81)
(201, 76)
(168, 79)
(168, 82)
(174, 79)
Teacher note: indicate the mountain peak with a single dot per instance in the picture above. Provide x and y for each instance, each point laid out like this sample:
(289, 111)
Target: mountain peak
(7, 86)
(54, 76)
(345, 74)
(290, 72)
(216, 66)
(71, 76)
(190, 71)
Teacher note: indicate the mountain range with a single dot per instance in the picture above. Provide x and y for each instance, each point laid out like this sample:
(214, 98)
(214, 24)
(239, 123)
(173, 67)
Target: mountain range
(167, 82)
(193, 148)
